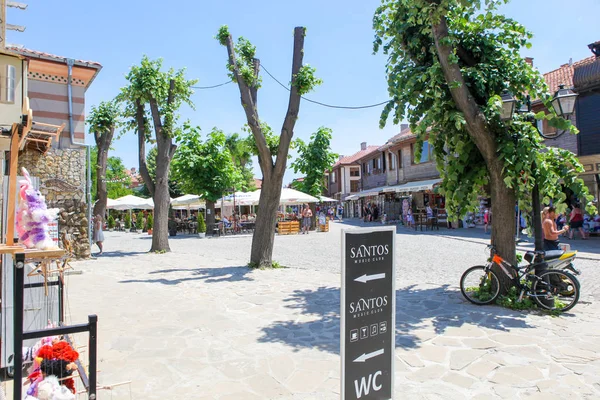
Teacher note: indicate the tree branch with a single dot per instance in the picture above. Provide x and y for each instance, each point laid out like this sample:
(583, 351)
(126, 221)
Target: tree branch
(254, 89)
(156, 117)
(465, 56)
(287, 130)
(139, 116)
(265, 158)
(475, 121)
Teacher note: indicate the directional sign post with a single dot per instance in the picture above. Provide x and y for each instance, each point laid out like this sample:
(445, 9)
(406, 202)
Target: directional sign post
(368, 305)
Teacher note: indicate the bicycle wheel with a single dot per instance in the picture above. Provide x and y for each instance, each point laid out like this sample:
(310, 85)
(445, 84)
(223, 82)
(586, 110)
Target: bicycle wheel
(479, 285)
(556, 291)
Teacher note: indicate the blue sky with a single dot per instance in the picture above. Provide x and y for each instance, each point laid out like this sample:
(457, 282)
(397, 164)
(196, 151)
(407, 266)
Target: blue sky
(338, 43)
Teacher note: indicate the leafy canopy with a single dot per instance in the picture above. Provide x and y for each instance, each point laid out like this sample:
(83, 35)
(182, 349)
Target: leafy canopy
(104, 117)
(314, 159)
(205, 167)
(118, 182)
(486, 46)
(149, 85)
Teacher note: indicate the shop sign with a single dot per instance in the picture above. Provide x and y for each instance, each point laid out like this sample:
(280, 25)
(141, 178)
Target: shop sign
(368, 306)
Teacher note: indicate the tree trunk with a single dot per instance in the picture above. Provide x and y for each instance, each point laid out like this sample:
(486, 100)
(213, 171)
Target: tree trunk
(503, 198)
(210, 215)
(503, 224)
(101, 191)
(160, 230)
(266, 218)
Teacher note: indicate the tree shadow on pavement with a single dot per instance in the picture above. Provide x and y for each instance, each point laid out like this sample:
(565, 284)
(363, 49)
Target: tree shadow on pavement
(208, 275)
(421, 314)
(118, 254)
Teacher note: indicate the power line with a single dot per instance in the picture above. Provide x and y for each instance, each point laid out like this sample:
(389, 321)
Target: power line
(211, 87)
(323, 104)
(304, 98)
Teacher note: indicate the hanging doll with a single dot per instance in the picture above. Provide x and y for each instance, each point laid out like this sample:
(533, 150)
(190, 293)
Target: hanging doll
(33, 216)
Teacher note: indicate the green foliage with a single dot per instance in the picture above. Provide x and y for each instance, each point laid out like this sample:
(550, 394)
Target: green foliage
(104, 117)
(314, 159)
(274, 265)
(241, 154)
(306, 80)
(511, 300)
(222, 35)
(127, 221)
(148, 84)
(486, 46)
(150, 222)
(205, 167)
(201, 223)
(117, 181)
(111, 222)
(270, 136)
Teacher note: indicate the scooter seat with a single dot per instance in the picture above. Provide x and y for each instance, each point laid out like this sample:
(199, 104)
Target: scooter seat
(552, 254)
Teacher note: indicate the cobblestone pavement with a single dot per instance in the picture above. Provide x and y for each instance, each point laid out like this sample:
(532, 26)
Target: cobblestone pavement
(196, 323)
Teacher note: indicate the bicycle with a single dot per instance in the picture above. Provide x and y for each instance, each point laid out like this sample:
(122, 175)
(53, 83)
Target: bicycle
(555, 290)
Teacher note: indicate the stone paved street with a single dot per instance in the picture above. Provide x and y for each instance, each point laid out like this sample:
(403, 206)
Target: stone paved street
(196, 323)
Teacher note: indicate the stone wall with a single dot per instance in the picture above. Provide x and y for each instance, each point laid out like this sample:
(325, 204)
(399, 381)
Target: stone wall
(62, 174)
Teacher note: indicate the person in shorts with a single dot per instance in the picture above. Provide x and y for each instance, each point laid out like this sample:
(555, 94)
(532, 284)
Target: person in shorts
(306, 219)
(551, 233)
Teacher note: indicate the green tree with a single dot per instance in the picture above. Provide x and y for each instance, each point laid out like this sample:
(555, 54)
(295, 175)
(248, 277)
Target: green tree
(314, 159)
(205, 167)
(448, 63)
(102, 121)
(241, 154)
(118, 183)
(244, 68)
(152, 98)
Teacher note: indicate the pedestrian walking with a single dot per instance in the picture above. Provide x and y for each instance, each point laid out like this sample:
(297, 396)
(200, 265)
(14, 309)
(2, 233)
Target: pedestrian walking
(98, 234)
(576, 221)
(486, 220)
(340, 212)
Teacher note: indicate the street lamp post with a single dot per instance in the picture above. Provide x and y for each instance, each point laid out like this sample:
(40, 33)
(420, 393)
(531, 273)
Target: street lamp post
(564, 106)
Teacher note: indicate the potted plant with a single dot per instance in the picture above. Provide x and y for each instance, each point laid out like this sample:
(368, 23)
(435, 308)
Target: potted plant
(201, 226)
(127, 221)
(111, 223)
(149, 224)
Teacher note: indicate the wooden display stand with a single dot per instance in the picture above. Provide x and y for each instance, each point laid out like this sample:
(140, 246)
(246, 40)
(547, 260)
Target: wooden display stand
(324, 227)
(289, 227)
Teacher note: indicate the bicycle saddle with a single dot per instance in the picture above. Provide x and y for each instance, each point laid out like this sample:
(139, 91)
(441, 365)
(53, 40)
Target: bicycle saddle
(552, 254)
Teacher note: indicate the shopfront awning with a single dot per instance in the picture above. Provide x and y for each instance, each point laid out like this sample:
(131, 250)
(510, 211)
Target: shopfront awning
(414, 186)
(351, 197)
(371, 192)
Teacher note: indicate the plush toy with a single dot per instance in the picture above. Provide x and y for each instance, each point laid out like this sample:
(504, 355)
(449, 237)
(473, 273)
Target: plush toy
(51, 389)
(58, 360)
(33, 216)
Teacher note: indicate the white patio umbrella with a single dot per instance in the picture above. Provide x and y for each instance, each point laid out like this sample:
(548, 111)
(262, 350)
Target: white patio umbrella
(188, 201)
(325, 199)
(130, 202)
(292, 196)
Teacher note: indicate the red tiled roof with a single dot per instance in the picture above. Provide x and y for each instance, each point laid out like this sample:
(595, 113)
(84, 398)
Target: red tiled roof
(356, 156)
(258, 183)
(405, 134)
(41, 54)
(564, 74)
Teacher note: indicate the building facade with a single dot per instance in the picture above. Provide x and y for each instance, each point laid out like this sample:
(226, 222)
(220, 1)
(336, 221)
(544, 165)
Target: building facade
(56, 89)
